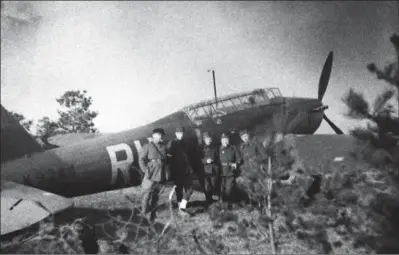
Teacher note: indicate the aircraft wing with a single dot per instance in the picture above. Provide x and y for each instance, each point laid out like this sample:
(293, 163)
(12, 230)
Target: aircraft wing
(23, 206)
(321, 151)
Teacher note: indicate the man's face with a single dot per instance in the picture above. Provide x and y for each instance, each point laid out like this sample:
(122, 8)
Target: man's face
(208, 140)
(245, 138)
(156, 137)
(179, 135)
(225, 141)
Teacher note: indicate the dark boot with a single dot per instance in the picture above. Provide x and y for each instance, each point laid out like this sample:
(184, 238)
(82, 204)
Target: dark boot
(209, 199)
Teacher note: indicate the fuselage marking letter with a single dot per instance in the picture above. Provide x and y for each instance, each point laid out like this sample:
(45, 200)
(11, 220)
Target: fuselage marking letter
(122, 165)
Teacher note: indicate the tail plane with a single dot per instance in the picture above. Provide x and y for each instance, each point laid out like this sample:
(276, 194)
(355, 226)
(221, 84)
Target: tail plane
(15, 140)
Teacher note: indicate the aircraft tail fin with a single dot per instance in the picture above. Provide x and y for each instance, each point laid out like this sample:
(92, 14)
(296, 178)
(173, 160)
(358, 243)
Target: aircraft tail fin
(15, 140)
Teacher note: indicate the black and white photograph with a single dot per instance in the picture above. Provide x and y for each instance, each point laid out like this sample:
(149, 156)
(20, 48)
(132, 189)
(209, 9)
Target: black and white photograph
(199, 127)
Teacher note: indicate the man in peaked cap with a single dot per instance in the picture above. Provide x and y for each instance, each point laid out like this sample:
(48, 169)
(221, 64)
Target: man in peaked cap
(210, 159)
(152, 162)
(159, 131)
(181, 169)
(229, 158)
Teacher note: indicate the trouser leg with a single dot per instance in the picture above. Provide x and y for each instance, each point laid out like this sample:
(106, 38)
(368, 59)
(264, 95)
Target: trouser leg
(147, 186)
(154, 199)
(209, 188)
(182, 203)
(223, 188)
(188, 187)
(183, 183)
(218, 187)
(229, 187)
(145, 202)
(179, 191)
(214, 183)
(184, 188)
(214, 187)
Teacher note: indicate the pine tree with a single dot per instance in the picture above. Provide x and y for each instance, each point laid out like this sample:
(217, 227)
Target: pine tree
(381, 134)
(76, 117)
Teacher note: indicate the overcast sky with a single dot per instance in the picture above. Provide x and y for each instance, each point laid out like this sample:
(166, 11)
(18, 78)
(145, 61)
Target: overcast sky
(142, 60)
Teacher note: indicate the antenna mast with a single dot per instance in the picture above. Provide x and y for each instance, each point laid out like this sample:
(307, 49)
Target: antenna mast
(214, 86)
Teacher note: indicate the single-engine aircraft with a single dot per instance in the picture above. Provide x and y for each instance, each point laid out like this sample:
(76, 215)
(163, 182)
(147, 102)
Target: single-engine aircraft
(38, 182)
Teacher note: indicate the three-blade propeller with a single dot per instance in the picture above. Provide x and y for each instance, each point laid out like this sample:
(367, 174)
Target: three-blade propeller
(323, 83)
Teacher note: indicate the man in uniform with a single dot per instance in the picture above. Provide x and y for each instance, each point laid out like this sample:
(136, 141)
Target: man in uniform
(253, 155)
(210, 160)
(152, 162)
(252, 152)
(181, 169)
(229, 158)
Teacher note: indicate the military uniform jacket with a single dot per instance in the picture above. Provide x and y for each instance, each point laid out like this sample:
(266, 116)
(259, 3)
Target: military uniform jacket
(229, 155)
(177, 151)
(210, 152)
(252, 151)
(152, 161)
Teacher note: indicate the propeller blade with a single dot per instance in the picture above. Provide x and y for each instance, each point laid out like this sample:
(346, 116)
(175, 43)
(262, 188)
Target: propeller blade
(333, 126)
(325, 75)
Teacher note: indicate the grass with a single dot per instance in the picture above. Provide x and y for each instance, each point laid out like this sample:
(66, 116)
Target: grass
(351, 208)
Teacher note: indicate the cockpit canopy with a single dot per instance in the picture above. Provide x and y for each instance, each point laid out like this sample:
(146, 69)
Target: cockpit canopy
(231, 103)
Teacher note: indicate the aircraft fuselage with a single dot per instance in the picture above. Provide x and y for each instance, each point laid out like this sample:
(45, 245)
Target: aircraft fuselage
(111, 161)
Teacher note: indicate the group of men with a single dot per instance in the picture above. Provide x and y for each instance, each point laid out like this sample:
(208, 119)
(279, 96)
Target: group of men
(162, 162)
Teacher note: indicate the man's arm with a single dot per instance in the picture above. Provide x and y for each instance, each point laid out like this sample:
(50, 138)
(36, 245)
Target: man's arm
(202, 155)
(238, 156)
(143, 159)
(169, 148)
(237, 162)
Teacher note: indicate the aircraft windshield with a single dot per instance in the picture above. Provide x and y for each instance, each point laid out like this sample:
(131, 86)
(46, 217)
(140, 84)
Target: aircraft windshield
(227, 104)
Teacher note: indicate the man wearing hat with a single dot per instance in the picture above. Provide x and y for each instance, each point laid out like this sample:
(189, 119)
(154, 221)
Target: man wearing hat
(181, 169)
(210, 160)
(152, 162)
(229, 158)
(252, 152)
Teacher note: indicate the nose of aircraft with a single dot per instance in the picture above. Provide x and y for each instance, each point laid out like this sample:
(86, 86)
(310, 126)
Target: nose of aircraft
(306, 114)
(305, 104)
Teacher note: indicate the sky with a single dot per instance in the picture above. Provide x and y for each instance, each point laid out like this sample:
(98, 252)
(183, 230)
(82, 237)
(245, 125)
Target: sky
(140, 61)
